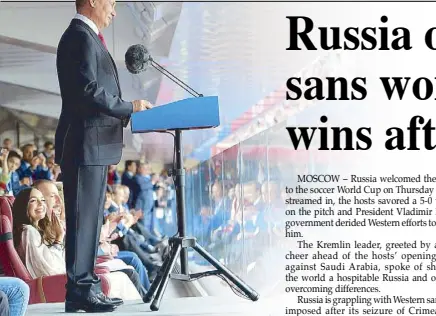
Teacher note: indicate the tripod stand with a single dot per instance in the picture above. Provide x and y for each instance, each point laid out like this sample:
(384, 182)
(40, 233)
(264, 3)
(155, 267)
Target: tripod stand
(181, 242)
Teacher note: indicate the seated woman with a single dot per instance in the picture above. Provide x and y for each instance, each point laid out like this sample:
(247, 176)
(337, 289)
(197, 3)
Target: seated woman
(39, 242)
(119, 261)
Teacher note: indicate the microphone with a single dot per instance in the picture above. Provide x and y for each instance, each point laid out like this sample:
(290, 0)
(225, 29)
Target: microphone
(137, 59)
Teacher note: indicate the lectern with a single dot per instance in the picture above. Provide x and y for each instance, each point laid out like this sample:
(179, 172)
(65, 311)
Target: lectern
(192, 113)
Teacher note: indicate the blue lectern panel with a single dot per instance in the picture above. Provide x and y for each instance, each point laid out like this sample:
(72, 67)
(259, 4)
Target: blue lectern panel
(192, 113)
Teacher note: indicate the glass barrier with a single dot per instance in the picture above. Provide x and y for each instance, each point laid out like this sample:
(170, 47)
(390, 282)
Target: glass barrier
(235, 205)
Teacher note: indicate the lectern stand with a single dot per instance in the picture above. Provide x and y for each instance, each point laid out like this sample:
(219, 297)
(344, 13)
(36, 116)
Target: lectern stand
(193, 113)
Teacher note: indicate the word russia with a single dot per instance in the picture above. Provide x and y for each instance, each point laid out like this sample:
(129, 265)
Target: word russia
(352, 38)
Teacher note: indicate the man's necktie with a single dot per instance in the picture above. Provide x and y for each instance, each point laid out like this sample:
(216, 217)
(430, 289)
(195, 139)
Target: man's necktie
(100, 36)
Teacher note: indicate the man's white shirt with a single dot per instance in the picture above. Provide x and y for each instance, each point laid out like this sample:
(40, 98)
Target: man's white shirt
(88, 22)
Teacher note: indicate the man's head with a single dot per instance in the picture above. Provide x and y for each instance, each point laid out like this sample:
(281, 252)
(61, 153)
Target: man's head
(14, 161)
(27, 153)
(101, 12)
(119, 195)
(131, 166)
(52, 197)
(126, 193)
(49, 147)
(50, 162)
(7, 143)
(144, 169)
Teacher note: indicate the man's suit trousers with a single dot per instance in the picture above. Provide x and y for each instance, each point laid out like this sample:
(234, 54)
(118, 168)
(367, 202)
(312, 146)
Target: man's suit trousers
(84, 194)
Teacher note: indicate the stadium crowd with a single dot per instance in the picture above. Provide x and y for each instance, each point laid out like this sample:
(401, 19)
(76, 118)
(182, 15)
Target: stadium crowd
(131, 239)
(236, 221)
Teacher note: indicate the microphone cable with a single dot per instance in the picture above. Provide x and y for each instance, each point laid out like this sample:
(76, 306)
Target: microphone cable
(174, 79)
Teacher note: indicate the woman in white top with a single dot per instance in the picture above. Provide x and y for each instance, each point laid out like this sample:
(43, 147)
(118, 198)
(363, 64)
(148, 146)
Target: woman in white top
(37, 239)
(39, 242)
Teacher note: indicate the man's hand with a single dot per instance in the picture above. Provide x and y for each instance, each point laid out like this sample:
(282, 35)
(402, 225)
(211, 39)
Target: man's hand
(42, 160)
(141, 105)
(137, 214)
(4, 154)
(112, 237)
(56, 171)
(25, 181)
(114, 218)
(36, 160)
(58, 229)
(114, 250)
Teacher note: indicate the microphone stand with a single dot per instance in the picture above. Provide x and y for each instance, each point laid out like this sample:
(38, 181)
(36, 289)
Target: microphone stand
(181, 242)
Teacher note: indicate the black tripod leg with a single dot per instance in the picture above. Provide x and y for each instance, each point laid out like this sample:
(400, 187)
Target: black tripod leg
(252, 294)
(159, 277)
(165, 278)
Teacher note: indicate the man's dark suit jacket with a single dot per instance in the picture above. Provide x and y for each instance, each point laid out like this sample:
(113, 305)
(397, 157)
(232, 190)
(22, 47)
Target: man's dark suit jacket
(130, 182)
(90, 128)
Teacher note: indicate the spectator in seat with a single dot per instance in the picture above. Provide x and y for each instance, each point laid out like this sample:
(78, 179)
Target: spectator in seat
(150, 238)
(39, 241)
(48, 150)
(130, 217)
(271, 198)
(37, 237)
(55, 170)
(219, 215)
(113, 177)
(14, 296)
(128, 179)
(126, 197)
(119, 197)
(128, 257)
(55, 207)
(9, 179)
(4, 171)
(54, 202)
(145, 199)
(33, 166)
(7, 144)
(126, 238)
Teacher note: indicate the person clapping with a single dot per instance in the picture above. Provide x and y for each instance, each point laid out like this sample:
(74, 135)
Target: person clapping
(9, 179)
(33, 166)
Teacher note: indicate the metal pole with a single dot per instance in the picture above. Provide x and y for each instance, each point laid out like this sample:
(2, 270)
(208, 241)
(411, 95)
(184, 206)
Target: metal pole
(17, 130)
(180, 189)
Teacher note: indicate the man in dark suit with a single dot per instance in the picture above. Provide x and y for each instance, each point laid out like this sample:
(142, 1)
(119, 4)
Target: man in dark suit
(89, 137)
(128, 179)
